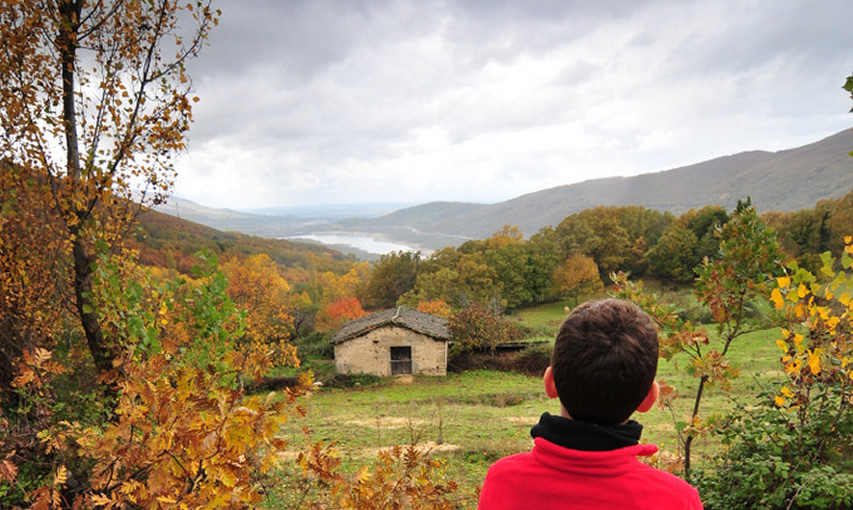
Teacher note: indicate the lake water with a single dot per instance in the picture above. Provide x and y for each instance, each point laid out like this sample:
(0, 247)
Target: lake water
(366, 243)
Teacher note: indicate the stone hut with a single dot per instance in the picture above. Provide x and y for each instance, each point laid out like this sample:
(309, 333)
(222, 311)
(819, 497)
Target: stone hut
(397, 341)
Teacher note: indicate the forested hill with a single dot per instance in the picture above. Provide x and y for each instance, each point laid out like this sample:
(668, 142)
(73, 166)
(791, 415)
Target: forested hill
(782, 181)
(166, 241)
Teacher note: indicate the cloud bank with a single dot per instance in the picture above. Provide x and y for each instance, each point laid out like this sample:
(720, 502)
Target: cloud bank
(337, 102)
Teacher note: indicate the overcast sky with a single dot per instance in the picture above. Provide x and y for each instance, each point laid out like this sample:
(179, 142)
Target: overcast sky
(322, 102)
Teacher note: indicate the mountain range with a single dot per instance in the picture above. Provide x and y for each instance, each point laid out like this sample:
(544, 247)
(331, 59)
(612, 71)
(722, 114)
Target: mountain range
(786, 180)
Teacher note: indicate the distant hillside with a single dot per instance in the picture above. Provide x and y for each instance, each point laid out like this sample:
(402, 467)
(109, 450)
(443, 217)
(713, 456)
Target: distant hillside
(166, 241)
(272, 222)
(783, 181)
(228, 219)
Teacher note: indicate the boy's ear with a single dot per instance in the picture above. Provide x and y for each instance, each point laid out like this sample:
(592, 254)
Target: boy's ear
(650, 399)
(550, 387)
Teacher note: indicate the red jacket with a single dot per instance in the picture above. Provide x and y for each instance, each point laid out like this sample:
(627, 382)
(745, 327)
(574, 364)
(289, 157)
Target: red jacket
(554, 477)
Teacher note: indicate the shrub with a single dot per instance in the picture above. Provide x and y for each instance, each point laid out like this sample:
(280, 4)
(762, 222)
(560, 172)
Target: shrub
(315, 345)
(789, 449)
(476, 328)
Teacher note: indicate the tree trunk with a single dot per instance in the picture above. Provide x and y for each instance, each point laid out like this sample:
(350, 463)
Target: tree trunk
(689, 441)
(89, 320)
(70, 11)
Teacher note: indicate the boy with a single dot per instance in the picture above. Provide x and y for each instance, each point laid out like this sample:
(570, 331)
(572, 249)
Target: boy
(602, 370)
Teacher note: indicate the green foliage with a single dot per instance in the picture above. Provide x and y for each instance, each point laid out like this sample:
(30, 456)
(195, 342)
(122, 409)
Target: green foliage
(392, 276)
(789, 449)
(456, 278)
(674, 256)
(315, 345)
(704, 224)
(773, 462)
(597, 234)
(747, 260)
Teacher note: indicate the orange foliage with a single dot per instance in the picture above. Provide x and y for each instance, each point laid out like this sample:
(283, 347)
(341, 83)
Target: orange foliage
(30, 254)
(256, 285)
(402, 478)
(577, 275)
(435, 307)
(337, 313)
(183, 431)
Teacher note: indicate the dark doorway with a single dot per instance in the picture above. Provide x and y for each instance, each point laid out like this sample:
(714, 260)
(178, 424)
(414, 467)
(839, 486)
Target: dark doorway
(401, 360)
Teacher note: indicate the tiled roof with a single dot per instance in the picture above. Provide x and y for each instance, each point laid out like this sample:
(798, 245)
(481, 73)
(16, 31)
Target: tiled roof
(430, 325)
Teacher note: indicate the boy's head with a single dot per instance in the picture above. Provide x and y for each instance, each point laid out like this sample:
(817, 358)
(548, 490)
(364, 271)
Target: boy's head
(604, 361)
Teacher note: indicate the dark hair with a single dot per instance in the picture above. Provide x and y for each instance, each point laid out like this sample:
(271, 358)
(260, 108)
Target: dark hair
(604, 360)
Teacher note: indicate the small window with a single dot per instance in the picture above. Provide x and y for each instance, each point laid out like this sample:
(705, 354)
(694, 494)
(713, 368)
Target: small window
(401, 360)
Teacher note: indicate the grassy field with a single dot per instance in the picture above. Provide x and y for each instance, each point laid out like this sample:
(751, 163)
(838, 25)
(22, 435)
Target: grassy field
(474, 418)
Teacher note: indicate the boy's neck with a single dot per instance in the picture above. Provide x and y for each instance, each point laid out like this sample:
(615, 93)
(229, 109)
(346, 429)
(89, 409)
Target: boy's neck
(565, 414)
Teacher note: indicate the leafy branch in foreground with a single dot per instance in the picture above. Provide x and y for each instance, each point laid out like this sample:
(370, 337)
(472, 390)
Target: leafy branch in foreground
(791, 448)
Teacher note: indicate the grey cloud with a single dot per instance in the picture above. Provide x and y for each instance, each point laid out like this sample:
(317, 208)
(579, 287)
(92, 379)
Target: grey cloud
(314, 89)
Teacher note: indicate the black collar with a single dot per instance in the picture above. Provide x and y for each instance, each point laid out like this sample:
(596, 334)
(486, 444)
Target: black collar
(586, 436)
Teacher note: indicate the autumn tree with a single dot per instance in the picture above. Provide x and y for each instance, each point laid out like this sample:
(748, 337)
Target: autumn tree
(508, 254)
(544, 256)
(338, 312)
(437, 307)
(595, 233)
(644, 227)
(840, 222)
(257, 286)
(806, 233)
(477, 328)
(94, 99)
(577, 276)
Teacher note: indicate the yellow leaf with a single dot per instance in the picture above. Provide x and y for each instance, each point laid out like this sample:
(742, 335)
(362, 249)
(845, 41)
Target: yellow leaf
(780, 400)
(61, 476)
(26, 376)
(794, 367)
(799, 310)
(227, 478)
(802, 291)
(845, 299)
(848, 239)
(776, 298)
(783, 281)
(42, 355)
(782, 345)
(814, 361)
(798, 343)
(100, 500)
(787, 392)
